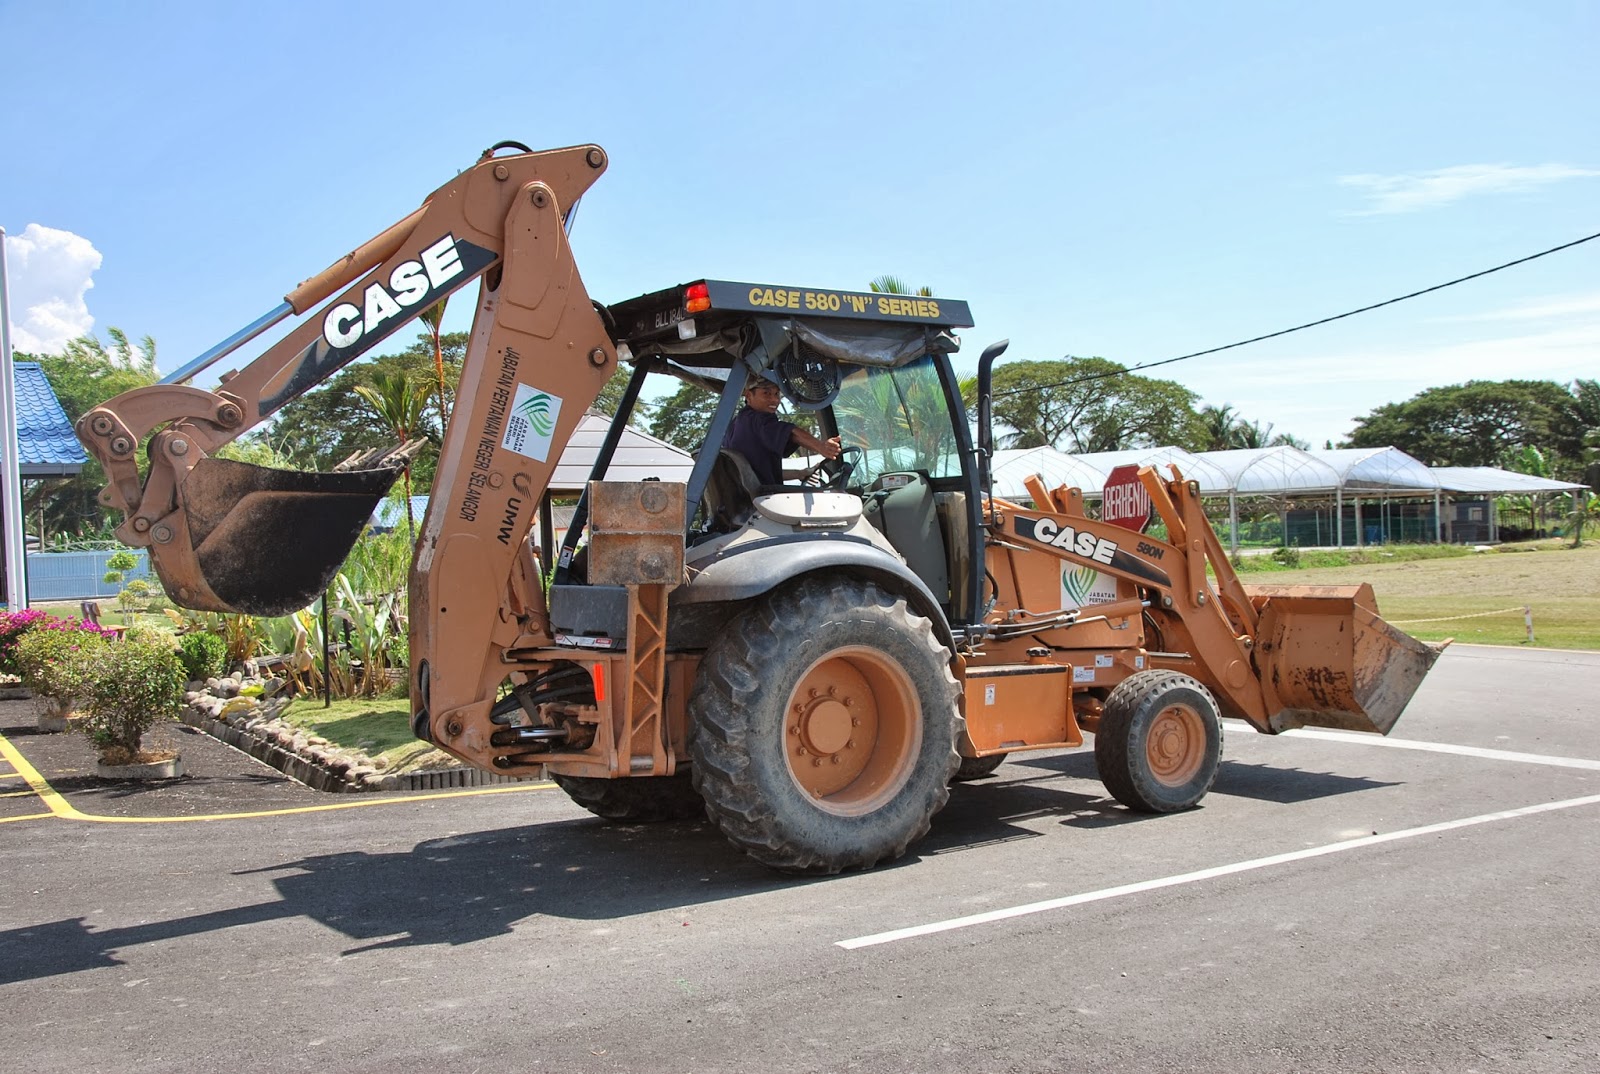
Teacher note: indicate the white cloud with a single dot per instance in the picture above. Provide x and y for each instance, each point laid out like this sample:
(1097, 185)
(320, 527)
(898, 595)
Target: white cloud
(1427, 190)
(49, 272)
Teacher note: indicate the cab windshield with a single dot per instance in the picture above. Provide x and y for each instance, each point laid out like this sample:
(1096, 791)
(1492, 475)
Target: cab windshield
(900, 420)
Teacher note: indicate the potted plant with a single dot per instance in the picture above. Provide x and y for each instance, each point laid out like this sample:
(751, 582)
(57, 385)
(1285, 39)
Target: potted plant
(59, 661)
(139, 682)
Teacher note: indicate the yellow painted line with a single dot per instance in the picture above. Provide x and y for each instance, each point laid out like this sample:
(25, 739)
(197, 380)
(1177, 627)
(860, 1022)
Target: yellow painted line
(30, 816)
(64, 810)
(17, 794)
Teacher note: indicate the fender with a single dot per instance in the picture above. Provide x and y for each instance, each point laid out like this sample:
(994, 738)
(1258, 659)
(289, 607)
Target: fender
(746, 571)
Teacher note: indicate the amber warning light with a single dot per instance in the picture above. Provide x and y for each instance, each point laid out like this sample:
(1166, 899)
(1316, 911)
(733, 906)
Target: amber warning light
(696, 297)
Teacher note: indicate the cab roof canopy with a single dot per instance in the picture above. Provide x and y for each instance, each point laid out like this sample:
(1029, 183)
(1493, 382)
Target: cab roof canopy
(719, 322)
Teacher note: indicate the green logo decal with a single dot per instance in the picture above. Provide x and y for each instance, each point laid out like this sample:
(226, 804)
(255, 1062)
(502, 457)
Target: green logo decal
(535, 410)
(1078, 583)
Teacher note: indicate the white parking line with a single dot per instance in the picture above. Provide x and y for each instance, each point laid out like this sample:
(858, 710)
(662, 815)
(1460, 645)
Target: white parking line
(1205, 874)
(1360, 739)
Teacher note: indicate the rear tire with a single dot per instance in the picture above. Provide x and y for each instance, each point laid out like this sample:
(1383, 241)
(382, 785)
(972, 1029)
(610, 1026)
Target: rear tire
(637, 799)
(825, 721)
(1159, 743)
(977, 767)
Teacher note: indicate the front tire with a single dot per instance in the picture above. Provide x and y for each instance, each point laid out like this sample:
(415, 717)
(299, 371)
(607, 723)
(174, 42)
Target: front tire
(1159, 742)
(825, 726)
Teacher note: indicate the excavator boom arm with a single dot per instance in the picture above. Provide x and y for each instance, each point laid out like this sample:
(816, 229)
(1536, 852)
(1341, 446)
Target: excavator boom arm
(231, 537)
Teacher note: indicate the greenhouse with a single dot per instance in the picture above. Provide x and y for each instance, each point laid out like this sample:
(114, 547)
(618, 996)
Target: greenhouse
(1337, 497)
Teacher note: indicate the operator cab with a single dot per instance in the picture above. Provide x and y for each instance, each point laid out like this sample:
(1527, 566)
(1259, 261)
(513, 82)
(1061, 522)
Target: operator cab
(872, 370)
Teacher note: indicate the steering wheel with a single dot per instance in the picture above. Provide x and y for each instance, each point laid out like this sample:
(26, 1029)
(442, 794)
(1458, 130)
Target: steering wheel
(834, 473)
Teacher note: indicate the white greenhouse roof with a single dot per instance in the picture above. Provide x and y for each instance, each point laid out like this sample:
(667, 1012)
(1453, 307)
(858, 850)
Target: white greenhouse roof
(1213, 480)
(1011, 467)
(1274, 471)
(1386, 468)
(1492, 480)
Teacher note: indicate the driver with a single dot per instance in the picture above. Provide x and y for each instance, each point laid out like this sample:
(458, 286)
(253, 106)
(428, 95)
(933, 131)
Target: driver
(764, 440)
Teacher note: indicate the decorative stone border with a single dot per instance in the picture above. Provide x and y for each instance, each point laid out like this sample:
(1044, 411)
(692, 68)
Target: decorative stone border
(256, 727)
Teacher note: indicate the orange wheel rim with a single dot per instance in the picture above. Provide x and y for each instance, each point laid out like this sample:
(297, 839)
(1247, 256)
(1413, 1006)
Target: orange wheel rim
(852, 731)
(1175, 749)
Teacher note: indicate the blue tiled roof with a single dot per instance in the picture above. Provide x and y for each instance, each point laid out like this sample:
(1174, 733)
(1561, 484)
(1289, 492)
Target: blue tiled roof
(46, 444)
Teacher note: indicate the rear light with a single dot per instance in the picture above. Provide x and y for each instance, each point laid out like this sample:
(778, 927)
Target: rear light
(696, 297)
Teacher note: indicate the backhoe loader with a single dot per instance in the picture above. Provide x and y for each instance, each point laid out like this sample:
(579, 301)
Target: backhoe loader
(809, 664)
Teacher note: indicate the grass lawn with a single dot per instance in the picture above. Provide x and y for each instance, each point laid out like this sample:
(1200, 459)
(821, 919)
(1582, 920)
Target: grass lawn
(378, 727)
(1561, 584)
(110, 614)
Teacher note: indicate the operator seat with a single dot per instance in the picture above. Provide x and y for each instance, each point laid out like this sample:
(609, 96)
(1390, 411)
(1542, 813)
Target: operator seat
(730, 492)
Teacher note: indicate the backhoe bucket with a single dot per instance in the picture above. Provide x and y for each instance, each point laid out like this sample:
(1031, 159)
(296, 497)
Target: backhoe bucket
(266, 542)
(1332, 661)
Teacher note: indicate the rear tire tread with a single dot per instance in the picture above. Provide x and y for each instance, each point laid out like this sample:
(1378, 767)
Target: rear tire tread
(736, 680)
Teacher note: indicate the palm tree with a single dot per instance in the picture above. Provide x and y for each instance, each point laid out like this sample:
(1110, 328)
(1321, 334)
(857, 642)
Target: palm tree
(894, 285)
(433, 318)
(400, 405)
(1220, 428)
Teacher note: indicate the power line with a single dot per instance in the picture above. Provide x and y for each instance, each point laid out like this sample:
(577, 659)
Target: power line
(1302, 327)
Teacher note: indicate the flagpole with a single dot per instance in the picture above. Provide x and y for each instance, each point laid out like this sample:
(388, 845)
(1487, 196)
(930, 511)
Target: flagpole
(10, 468)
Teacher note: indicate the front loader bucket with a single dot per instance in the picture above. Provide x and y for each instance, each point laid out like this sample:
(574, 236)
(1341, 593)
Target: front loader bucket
(264, 541)
(1331, 659)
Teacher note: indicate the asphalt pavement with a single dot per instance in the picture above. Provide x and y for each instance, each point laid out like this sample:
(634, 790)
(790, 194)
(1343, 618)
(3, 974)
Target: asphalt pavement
(1425, 902)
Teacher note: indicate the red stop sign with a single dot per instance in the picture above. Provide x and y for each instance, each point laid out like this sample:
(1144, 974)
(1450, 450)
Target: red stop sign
(1124, 502)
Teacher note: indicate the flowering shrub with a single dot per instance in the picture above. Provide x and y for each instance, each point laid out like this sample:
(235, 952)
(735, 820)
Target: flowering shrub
(15, 625)
(61, 665)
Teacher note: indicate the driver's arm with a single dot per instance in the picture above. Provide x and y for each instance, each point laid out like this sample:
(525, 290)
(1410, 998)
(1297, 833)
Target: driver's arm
(828, 449)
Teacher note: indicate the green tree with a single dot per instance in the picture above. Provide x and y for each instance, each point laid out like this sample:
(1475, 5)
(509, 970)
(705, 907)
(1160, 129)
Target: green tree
(83, 376)
(1081, 405)
(1221, 428)
(1218, 429)
(610, 397)
(683, 418)
(1484, 423)
(401, 403)
(327, 425)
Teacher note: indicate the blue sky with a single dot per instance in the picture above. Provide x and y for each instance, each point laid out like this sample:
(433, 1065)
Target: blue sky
(1132, 180)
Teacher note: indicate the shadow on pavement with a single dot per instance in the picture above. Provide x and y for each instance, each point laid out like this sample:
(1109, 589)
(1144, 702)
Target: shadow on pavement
(1264, 783)
(464, 888)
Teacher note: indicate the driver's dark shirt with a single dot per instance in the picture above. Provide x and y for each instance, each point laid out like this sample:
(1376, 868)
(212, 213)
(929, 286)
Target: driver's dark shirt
(763, 440)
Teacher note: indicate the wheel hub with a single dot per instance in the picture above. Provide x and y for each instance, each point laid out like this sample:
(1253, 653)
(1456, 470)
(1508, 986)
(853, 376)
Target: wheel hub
(824, 723)
(851, 730)
(1176, 745)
